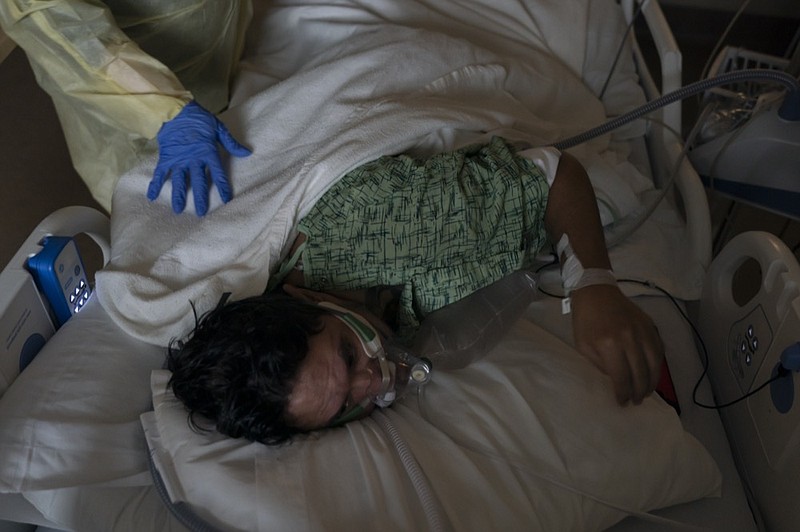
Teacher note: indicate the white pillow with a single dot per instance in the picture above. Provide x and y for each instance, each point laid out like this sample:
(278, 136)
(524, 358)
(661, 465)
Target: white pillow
(72, 417)
(528, 438)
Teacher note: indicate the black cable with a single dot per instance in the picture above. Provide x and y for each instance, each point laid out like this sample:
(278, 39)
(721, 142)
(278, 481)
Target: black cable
(782, 372)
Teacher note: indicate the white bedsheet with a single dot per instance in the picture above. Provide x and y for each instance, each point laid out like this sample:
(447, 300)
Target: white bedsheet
(527, 438)
(325, 89)
(299, 149)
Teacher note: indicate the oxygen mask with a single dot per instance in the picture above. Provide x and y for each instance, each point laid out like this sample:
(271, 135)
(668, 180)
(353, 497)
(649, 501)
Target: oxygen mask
(393, 370)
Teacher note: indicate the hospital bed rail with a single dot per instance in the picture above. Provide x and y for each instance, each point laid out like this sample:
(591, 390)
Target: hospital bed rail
(26, 322)
(664, 141)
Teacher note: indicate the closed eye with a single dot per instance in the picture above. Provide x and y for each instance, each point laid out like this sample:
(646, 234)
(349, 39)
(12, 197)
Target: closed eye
(348, 353)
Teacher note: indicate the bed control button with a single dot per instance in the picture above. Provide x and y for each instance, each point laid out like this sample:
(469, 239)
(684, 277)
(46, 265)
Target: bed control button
(750, 338)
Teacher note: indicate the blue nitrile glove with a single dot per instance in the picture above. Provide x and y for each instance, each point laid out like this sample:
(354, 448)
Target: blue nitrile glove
(187, 147)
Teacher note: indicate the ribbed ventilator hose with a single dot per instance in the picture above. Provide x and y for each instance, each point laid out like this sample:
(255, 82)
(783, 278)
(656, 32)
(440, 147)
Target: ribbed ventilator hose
(430, 504)
(790, 110)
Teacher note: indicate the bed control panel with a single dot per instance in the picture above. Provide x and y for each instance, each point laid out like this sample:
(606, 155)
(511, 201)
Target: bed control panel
(748, 341)
(61, 276)
(44, 284)
(753, 344)
(775, 418)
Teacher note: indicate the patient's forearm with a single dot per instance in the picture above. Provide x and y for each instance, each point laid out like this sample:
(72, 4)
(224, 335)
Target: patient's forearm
(609, 329)
(572, 209)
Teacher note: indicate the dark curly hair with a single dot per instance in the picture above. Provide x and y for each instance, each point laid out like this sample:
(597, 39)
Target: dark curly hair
(237, 367)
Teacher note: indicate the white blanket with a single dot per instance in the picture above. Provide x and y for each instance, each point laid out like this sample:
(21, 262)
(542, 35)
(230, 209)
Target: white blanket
(327, 86)
(529, 438)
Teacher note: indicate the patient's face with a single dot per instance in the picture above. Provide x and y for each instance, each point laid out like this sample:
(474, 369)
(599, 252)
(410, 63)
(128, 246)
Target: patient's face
(335, 374)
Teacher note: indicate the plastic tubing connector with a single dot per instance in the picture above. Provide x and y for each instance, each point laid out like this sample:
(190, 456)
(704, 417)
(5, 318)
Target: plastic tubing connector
(789, 110)
(790, 357)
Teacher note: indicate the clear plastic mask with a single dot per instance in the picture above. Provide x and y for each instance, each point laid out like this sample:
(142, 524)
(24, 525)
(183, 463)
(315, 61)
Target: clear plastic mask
(398, 368)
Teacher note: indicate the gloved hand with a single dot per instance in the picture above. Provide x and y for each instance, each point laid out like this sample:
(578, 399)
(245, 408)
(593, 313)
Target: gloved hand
(187, 147)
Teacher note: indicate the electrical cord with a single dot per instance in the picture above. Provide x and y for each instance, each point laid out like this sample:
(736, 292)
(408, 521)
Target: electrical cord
(782, 372)
(697, 87)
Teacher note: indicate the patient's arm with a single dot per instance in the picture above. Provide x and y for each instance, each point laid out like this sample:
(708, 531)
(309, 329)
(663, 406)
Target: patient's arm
(609, 328)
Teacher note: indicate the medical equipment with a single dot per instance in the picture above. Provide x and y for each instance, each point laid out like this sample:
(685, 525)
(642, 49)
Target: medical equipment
(531, 399)
(461, 333)
(749, 142)
(782, 380)
(32, 314)
(399, 370)
(61, 276)
(410, 371)
(781, 120)
(754, 336)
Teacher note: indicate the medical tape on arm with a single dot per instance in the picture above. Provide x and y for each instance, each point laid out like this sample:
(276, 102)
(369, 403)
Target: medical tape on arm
(574, 276)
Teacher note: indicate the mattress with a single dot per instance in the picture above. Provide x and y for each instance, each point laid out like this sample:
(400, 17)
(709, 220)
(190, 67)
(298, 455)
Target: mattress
(89, 499)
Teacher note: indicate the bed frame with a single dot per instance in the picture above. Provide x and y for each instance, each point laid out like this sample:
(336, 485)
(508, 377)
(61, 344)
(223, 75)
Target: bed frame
(765, 443)
(753, 298)
(664, 147)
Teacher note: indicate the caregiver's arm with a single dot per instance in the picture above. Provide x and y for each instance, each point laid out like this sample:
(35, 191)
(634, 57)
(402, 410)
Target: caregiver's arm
(609, 328)
(87, 57)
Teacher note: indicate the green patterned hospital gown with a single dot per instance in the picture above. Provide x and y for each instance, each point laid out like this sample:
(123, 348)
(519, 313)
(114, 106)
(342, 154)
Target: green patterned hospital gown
(441, 227)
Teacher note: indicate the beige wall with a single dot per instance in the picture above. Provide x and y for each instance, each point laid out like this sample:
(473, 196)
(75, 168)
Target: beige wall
(6, 45)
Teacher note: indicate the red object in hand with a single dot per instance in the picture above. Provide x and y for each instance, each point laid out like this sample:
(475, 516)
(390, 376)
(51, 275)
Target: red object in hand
(666, 389)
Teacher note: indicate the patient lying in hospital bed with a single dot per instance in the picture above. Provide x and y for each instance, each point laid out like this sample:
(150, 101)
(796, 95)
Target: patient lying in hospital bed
(342, 100)
(530, 436)
(438, 230)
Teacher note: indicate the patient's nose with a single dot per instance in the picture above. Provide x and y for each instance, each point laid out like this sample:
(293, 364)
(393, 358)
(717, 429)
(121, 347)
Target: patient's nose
(365, 382)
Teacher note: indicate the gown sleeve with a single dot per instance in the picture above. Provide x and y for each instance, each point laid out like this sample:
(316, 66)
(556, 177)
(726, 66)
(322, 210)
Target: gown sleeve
(81, 52)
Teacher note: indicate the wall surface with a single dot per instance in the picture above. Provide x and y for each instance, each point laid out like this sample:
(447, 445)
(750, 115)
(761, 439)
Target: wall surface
(775, 8)
(35, 169)
(6, 45)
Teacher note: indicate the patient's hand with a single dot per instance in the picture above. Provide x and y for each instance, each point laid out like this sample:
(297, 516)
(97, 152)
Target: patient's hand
(619, 338)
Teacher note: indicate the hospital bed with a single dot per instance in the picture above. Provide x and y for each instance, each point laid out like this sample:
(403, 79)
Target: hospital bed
(528, 437)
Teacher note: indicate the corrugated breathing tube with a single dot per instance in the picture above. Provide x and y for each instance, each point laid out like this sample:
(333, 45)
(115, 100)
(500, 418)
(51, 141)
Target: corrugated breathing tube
(790, 109)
